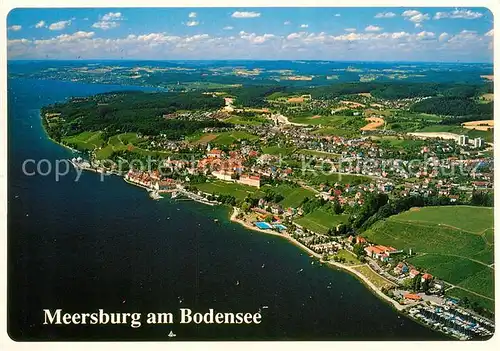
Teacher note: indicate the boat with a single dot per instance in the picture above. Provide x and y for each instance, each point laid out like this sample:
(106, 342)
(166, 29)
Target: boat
(216, 220)
(237, 282)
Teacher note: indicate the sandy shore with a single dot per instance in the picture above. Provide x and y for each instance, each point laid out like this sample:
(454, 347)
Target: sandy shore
(349, 269)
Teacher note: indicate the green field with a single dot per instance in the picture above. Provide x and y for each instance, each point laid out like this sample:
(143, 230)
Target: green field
(239, 191)
(460, 294)
(276, 150)
(373, 277)
(319, 221)
(85, 140)
(293, 195)
(245, 120)
(228, 138)
(126, 142)
(454, 243)
(467, 218)
(350, 259)
(317, 120)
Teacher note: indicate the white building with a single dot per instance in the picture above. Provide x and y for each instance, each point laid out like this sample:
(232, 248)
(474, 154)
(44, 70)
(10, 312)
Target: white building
(463, 140)
(478, 143)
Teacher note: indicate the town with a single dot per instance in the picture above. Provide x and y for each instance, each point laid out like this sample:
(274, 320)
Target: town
(335, 185)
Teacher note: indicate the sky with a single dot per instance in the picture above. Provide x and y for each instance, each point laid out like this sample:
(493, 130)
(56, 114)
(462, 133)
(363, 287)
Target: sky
(343, 34)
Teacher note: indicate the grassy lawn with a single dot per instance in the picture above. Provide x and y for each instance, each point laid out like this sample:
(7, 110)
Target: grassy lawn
(350, 259)
(373, 277)
(320, 221)
(239, 191)
(86, 140)
(276, 150)
(467, 218)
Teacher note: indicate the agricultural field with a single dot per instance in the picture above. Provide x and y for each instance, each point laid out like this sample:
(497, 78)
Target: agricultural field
(320, 221)
(239, 191)
(85, 140)
(248, 120)
(453, 243)
(293, 196)
(460, 294)
(452, 216)
(317, 120)
(228, 138)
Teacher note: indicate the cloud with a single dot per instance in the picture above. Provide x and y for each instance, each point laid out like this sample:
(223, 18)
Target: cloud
(372, 28)
(350, 29)
(256, 39)
(489, 33)
(192, 15)
(15, 27)
(228, 28)
(304, 26)
(244, 14)
(112, 16)
(192, 23)
(40, 24)
(286, 23)
(443, 36)
(379, 45)
(410, 13)
(385, 15)
(415, 16)
(105, 25)
(463, 14)
(60, 25)
(425, 35)
(109, 20)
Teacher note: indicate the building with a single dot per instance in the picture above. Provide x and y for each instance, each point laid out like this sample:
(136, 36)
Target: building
(380, 252)
(414, 273)
(215, 153)
(478, 143)
(427, 277)
(401, 268)
(223, 175)
(252, 180)
(463, 140)
(413, 297)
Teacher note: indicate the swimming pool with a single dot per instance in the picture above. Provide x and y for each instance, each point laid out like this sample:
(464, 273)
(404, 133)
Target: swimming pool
(263, 225)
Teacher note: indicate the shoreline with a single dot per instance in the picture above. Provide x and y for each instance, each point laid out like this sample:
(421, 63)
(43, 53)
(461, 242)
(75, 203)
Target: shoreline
(348, 269)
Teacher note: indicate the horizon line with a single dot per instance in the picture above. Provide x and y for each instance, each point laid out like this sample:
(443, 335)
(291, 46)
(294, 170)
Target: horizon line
(243, 59)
